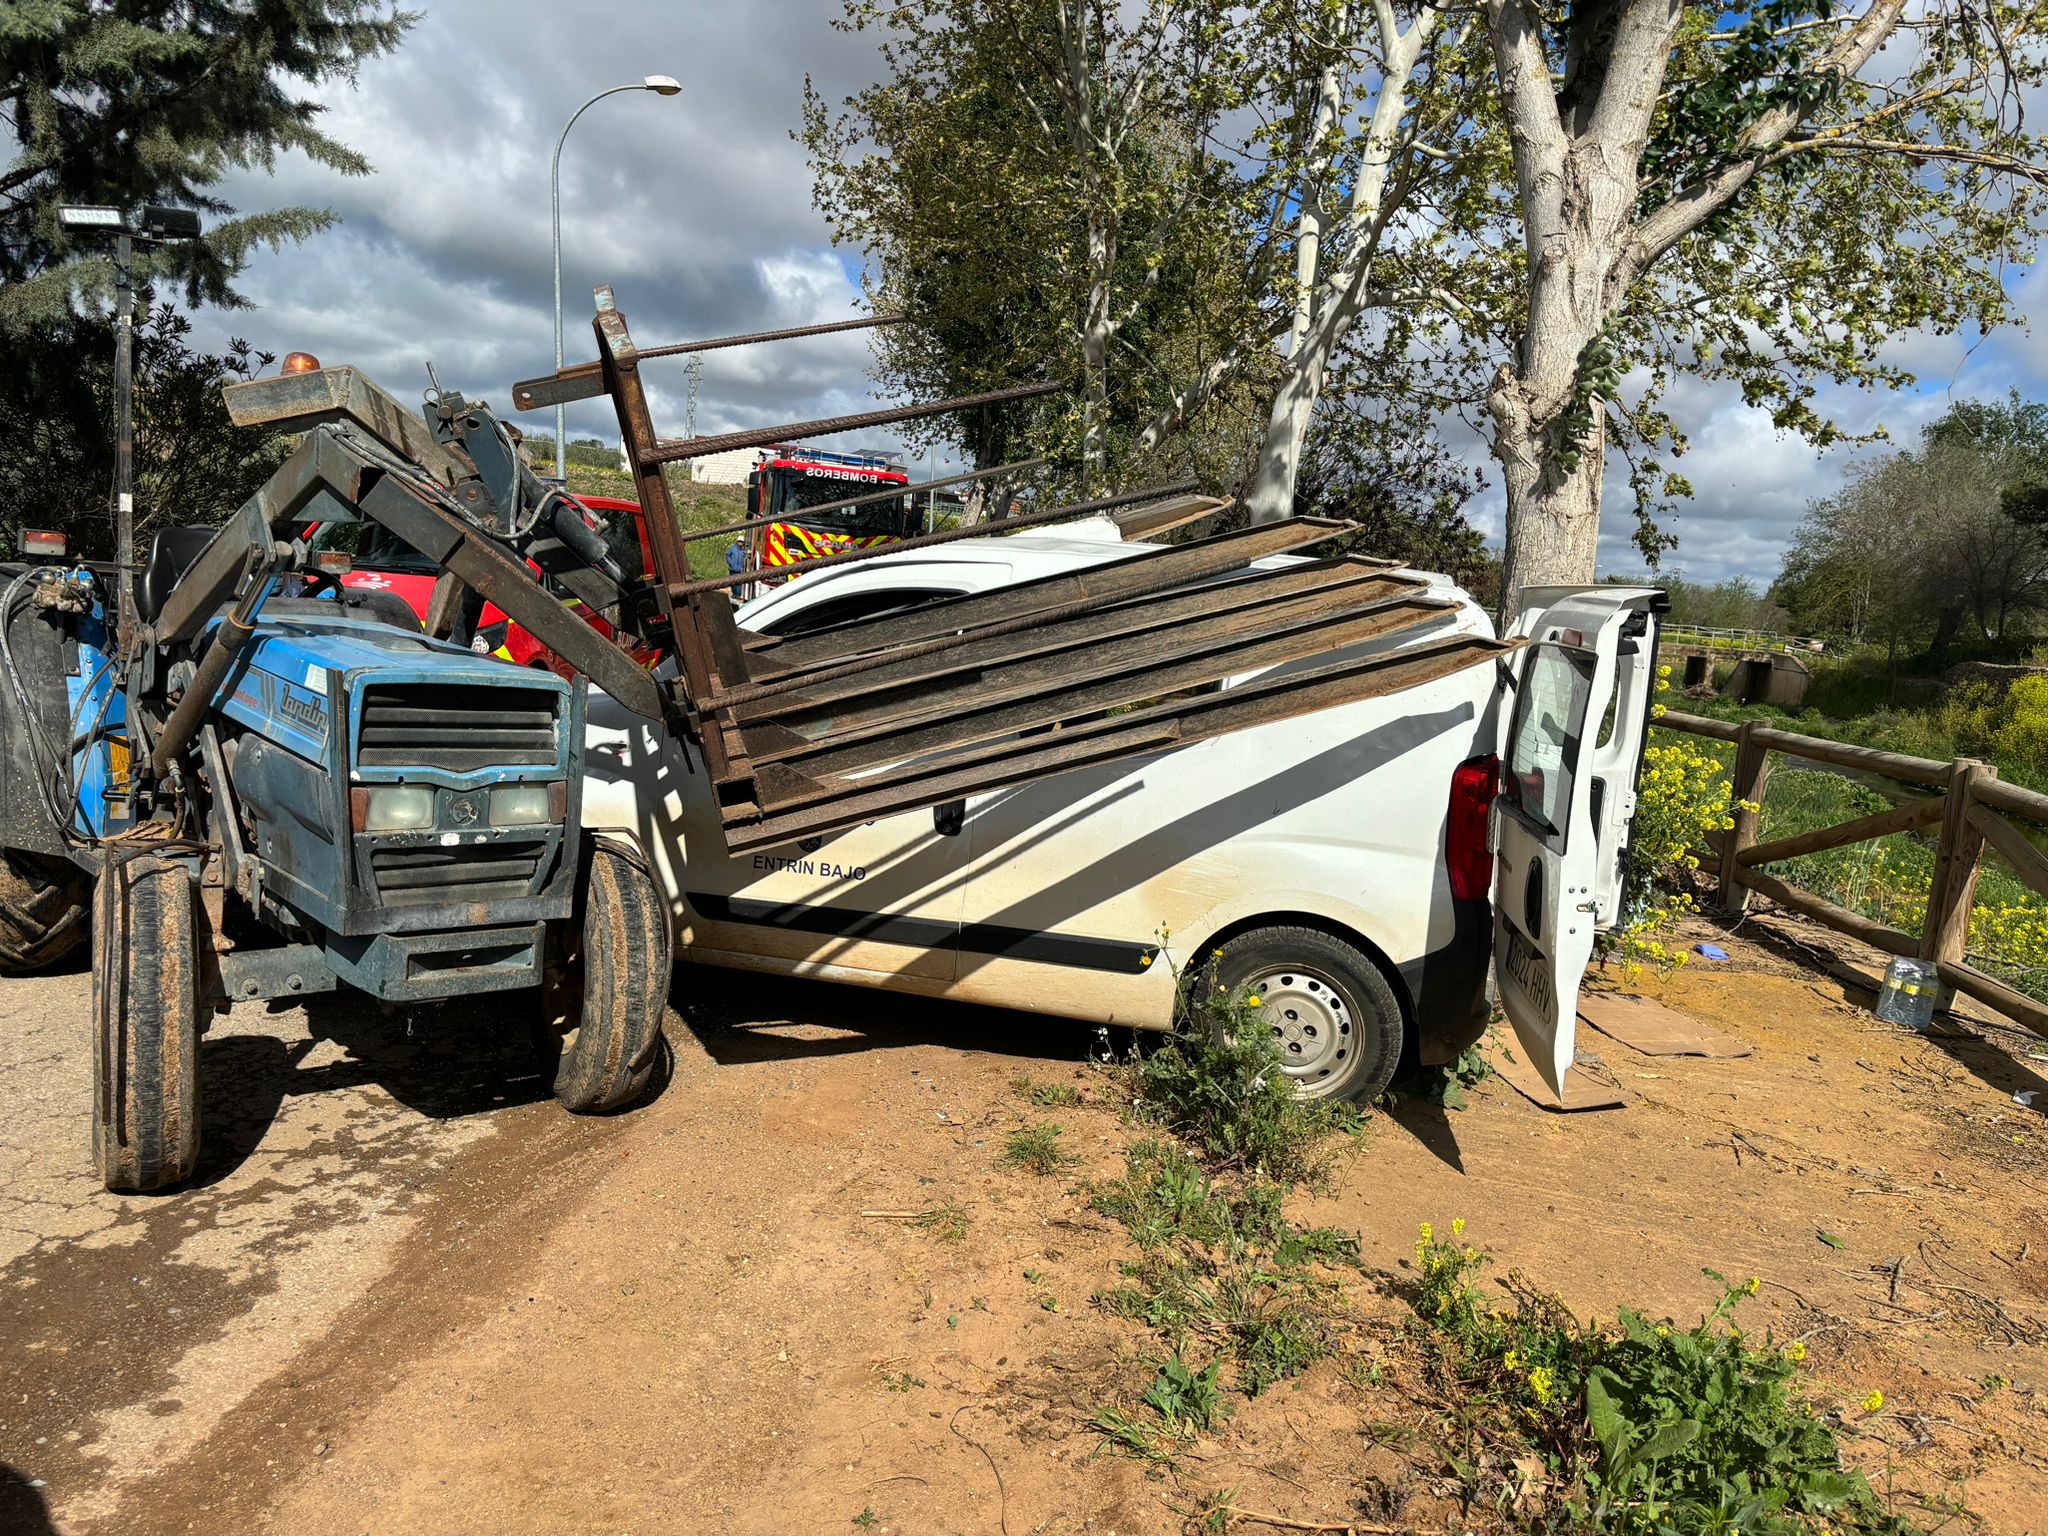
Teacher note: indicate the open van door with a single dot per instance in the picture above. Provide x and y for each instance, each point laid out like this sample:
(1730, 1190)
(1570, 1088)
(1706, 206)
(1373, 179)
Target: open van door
(1579, 719)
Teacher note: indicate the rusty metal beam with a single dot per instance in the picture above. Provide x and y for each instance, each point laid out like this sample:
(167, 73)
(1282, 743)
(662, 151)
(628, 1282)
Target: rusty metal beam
(691, 535)
(1109, 679)
(793, 805)
(585, 381)
(1063, 514)
(759, 437)
(1180, 617)
(1128, 574)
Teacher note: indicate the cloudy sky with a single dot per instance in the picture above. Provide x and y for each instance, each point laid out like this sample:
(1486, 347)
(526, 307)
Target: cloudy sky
(697, 209)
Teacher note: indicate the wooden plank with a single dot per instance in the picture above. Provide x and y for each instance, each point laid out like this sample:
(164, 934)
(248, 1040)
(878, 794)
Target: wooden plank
(2028, 862)
(1697, 725)
(1993, 993)
(1752, 774)
(1900, 818)
(2014, 800)
(1826, 913)
(1946, 932)
(1892, 765)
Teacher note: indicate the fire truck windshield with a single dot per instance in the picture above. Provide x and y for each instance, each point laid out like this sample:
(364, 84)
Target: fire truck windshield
(885, 518)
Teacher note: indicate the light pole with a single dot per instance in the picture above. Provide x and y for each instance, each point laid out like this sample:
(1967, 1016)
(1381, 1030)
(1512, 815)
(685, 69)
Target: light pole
(148, 226)
(661, 85)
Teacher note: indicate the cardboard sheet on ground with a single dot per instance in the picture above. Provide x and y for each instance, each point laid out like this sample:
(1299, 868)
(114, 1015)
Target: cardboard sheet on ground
(1656, 1030)
(1587, 1086)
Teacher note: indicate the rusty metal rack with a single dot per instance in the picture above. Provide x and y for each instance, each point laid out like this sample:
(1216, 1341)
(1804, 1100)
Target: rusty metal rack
(806, 735)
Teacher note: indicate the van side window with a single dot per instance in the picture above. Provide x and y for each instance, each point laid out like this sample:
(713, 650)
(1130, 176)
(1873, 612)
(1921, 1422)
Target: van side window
(1543, 752)
(854, 606)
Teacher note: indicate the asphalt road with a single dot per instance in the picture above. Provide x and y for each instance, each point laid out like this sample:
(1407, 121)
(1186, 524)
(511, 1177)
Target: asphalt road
(130, 1325)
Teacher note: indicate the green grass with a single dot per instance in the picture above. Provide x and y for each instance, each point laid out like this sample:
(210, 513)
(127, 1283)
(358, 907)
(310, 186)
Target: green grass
(1888, 878)
(948, 1222)
(1037, 1147)
(1045, 1095)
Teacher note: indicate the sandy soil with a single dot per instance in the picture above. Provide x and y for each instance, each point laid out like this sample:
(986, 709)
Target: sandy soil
(711, 1314)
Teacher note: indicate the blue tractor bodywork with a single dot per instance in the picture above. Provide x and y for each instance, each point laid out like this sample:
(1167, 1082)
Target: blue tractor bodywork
(320, 719)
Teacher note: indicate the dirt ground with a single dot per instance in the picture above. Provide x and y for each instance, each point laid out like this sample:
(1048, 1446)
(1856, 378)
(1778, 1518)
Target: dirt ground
(409, 1295)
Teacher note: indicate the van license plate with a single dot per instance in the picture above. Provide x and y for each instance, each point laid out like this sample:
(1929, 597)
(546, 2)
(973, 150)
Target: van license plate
(1530, 968)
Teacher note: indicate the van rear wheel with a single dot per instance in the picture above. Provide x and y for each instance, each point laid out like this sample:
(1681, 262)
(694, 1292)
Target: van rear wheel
(615, 981)
(1331, 1010)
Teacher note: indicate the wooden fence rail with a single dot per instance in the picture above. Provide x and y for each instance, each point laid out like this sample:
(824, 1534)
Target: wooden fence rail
(1973, 807)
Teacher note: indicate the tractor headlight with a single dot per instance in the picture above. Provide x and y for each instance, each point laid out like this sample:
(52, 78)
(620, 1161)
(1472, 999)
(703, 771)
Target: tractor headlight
(398, 808)
(520, 805)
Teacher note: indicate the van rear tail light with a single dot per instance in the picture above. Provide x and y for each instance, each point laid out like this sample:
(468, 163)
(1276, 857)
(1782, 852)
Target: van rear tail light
(44, 542)
(1468, 852)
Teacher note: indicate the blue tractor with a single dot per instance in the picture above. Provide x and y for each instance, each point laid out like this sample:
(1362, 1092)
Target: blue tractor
(237, 786)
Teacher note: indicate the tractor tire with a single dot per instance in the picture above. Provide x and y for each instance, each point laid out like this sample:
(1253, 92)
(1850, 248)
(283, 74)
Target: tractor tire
(1331, 1010)
(44, 902)
(618, 975)
(146, 1009)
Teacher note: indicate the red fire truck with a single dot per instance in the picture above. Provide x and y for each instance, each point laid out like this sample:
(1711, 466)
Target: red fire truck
(788, 480)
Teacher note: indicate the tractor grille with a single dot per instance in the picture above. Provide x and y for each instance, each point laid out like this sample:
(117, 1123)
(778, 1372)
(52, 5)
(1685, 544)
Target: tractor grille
(474, 872)
(457, 729)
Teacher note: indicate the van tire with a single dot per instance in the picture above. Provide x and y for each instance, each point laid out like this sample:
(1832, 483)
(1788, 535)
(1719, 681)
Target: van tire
(43, 905)
(617, 982)
(1330, 1007)
(145, 1009)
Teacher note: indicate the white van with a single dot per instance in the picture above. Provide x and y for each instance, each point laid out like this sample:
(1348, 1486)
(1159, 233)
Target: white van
(1355, 866)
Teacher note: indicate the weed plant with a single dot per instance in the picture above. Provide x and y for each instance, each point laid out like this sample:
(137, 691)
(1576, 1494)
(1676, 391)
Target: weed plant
(1640, 1429)
(1037, 1147)
(1222, 1278)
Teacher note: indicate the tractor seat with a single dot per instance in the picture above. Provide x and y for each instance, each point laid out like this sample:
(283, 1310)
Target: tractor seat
(171, 553)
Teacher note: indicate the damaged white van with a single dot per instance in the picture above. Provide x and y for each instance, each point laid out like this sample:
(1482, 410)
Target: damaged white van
(1360, 867)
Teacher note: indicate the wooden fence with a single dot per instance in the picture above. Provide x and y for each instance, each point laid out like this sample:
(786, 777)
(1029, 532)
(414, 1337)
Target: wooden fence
(1969, 802)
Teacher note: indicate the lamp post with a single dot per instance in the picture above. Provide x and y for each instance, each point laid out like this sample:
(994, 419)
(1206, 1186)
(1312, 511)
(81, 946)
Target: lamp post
(661, 85)
(149, 226)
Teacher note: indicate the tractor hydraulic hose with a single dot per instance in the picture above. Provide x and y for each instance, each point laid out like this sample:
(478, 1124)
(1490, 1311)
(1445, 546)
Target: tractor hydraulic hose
(233, 633)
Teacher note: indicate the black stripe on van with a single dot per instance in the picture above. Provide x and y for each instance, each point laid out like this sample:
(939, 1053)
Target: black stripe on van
(1074, 951)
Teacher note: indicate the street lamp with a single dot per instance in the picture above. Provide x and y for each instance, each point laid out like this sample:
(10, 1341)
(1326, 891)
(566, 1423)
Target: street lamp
(661, 85)
(150, 226)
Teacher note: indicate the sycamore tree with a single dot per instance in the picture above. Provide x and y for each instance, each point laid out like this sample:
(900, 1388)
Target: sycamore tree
(1188, 206)
(1764, 195)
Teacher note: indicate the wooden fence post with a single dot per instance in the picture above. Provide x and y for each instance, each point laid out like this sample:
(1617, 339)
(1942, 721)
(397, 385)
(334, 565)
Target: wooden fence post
(1752, 771)
(1956, 858)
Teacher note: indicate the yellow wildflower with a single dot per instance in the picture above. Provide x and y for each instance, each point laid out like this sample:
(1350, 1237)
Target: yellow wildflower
(1796, 1351)
(1754, 1285)
(1428, 1232)
(1457, 1226)
(1873, 1402)
(1540, 1383)
(1252, 1001)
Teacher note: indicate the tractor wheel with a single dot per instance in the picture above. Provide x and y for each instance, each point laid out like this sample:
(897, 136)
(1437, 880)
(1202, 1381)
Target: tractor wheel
(43, 905)
(145, 1005)
(617, 976)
